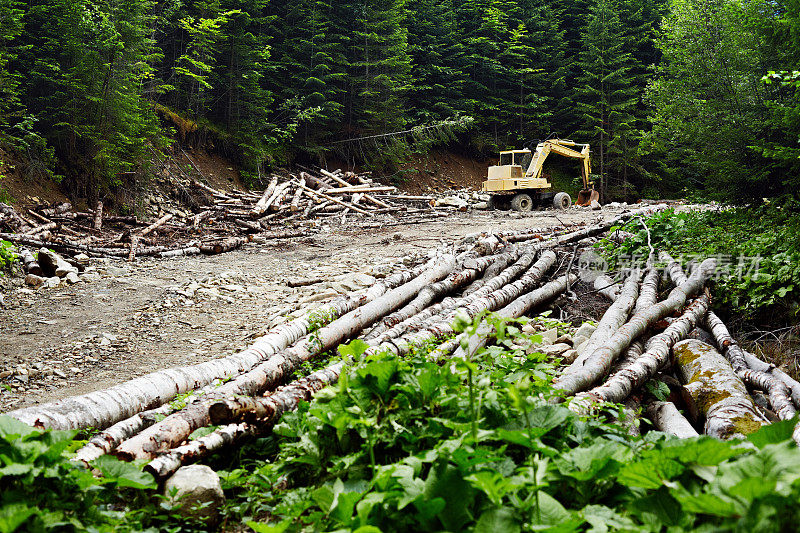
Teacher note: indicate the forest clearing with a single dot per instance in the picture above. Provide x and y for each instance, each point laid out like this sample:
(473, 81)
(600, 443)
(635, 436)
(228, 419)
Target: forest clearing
(412, 265)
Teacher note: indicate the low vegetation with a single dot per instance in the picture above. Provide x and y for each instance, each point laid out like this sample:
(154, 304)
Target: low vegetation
(409, 444)
(757, 250)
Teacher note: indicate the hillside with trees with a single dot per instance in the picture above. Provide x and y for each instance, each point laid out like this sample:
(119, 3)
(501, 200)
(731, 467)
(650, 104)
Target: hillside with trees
(681, 96)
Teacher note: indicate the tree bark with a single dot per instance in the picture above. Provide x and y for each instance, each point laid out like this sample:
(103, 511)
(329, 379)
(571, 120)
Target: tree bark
(715, 392)
(103, 408)
(175, 428)
(98, 215)
(598, 363)
(667, 419)
(620, 385)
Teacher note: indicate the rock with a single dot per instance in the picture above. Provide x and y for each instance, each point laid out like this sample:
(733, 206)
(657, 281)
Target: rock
(578, 340)
(53, 264)
(59, 373)
(551, 350)
(197, 489)
(596, 205)
(549, 336)
(116, 271)
(72, 278)
(480, 205)
(33, 280)
(569, 357)
(320, 296)
(585, 330)
(5, 373)
(90, 276)
(82, 259)
(528, 329)
(579, 347)
(567, 339)
(452, 201)
(51, 283)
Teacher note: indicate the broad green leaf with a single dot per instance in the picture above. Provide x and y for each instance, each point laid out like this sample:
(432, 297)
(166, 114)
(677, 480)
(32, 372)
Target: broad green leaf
(547, 510)
(773, 433)
(12, 427)
(124, 474)
(496, 520)
(649, 473)
(263, 527)
(13, 515)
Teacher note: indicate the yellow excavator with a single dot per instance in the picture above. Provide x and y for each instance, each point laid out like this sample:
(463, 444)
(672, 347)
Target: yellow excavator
(517, 182)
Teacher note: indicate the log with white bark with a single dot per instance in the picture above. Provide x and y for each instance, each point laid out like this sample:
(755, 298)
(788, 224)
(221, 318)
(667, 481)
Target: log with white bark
(448, 304)
(667, 419)
(298, 193)
(316, 194)
(465, 345)
(261, 206)
(607, 287)
(779, 394)
(103, 408)
(597, 364)
(98, 215)
(29, 263)
(714, 392)
(41, 229)
(264, 413)
(614, 317)
(754, 363)
(656, 356)
(443, 326)
(157, 224)
(419, 309)
(175, 428)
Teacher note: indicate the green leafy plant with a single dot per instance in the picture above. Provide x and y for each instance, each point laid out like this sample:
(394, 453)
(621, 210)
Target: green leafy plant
(8, 255)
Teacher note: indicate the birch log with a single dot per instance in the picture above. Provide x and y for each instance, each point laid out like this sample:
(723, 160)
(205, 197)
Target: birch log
(715, 392)
(263, 412)
(171, 431)
(489, 302)
(598, 363)
(469, 344)
(620, 385)
(103, 408)
(612, 320)
(666, 418)
(98, 215)
(261, 206)
(607, 287)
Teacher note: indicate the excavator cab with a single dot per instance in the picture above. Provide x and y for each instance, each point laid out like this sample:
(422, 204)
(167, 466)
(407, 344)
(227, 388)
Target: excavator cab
(518, 181)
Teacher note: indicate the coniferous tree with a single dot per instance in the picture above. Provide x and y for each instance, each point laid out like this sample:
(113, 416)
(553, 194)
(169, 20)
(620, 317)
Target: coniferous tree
(608, 96)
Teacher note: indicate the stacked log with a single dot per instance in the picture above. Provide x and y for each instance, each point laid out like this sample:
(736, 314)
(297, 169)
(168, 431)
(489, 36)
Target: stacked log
(512, 274)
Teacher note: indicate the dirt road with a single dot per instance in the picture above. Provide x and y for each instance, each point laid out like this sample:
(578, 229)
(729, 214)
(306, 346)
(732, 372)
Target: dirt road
(154, 314)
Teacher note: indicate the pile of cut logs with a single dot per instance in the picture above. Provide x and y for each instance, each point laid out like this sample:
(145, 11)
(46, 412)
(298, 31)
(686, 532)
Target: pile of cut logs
(650, 332)
(223, 222)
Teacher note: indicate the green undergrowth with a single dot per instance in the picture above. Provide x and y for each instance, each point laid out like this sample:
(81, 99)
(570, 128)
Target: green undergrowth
(406, 444)
(757, 251)
(480, 445)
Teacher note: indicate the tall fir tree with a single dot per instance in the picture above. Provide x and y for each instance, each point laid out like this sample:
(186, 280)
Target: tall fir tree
(607, 94)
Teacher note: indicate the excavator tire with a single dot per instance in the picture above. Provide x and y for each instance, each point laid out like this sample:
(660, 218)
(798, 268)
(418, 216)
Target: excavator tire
(522, 202)
(562, 201)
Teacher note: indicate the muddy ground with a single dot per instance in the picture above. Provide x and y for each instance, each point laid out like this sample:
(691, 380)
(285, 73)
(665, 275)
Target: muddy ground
(158, 313)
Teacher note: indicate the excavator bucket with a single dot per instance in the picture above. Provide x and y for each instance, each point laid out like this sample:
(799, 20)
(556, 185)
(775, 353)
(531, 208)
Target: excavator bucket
(586, 197)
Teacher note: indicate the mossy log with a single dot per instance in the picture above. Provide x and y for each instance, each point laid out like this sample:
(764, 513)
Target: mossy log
(714, 392)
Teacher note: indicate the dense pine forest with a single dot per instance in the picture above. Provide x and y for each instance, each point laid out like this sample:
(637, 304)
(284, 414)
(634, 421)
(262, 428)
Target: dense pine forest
(688, 95)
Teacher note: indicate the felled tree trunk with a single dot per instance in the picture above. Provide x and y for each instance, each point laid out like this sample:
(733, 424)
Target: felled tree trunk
(607, 287)
(715, 392)
(261, 206)
(620, 385)
(597, 364)
(612, 320)
(262, 411)
(171, 431)
(492, 301)
(29, 263)
(98, 215)
(515, 309)
(668, 419)
(103, 408)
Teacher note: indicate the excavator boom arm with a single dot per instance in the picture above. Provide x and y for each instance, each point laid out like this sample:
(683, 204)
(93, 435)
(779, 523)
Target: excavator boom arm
(561, 147)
